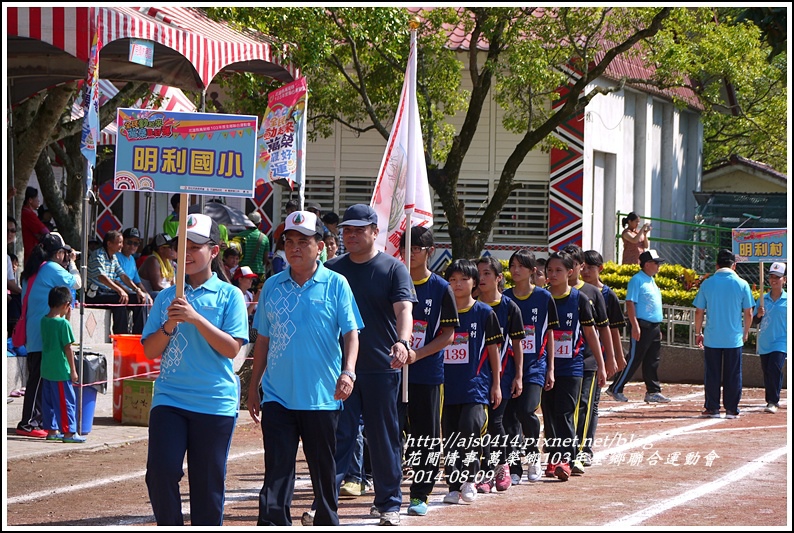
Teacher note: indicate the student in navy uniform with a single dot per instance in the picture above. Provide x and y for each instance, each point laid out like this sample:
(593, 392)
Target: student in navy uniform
(559, 403)
(599, 358)
(384, 293)
(471, 382)
(435, 319)
(593, 265)
(511, 367)
(539, 315)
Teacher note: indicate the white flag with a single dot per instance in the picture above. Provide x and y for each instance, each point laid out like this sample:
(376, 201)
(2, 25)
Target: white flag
(401, 190)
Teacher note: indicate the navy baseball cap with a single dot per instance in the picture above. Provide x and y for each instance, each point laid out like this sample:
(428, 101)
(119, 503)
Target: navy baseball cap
(359, 215)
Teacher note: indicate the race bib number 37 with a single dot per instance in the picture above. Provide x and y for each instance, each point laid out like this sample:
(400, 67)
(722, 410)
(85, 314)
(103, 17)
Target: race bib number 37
(457, 353)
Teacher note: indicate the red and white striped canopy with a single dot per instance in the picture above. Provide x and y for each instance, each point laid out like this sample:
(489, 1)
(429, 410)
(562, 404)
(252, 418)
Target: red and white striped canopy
(169, 99)
(190, 48)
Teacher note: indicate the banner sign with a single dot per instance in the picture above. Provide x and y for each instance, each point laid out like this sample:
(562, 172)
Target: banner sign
(281, 142)
(142, 52)
(192, 153)
(759, 245)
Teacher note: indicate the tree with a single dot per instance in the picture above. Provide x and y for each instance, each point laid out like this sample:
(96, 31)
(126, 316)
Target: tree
(355, 59)
(43, 128)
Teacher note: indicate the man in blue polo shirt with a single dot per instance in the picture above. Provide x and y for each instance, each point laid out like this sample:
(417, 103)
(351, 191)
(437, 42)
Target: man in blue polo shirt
(644, 309)
(302, 312)
(727, 300)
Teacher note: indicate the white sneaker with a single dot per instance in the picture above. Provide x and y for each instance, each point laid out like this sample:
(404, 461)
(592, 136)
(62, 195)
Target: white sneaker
(535, 472)
(389, 518)
(515, 479)
(452, 497)
(468, 492)
(771, 408)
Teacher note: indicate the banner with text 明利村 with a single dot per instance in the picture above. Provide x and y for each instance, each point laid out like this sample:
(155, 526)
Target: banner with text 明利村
(759, 245)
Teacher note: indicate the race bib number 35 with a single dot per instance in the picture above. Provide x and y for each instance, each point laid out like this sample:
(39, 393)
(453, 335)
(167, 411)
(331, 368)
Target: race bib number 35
(457, 353)
(563, 344)
(528, 342)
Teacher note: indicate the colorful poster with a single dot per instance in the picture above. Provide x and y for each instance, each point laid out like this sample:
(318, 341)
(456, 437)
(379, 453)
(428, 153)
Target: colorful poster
(759, 245)
(142, 52)
(281, 142)
(192, 153)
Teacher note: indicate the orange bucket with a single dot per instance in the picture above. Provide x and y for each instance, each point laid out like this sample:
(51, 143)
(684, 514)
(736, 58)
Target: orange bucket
(129, 361)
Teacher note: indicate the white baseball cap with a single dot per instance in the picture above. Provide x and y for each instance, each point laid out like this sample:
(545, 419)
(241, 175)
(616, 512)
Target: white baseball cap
(778, 269)
(304, 222)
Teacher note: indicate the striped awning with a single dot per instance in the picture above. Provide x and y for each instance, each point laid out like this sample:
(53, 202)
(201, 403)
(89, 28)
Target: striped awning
(168, 98)
(50, 45)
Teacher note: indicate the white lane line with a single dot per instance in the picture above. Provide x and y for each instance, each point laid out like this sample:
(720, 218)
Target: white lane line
(99, 482)
(627, 443)
(702, 490)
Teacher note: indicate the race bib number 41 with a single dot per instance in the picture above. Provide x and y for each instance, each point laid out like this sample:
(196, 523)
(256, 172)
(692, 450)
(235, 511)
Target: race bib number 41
(457, 353)
(563, 344)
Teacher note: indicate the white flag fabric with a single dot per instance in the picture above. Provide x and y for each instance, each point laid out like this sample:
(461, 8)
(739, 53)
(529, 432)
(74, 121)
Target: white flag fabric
(401, 190)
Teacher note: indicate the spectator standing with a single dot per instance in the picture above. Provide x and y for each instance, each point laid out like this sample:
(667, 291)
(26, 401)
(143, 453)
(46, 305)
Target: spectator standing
(12, 278)
(302, 372)
(331, 241)
(635, 238)
(435, 318)
(726, 301)
(105, 277)
(33, 229)
(58, 371)
(256, 246)
(384, 293)
(48, 262)
(157, 270)
(197, 394)
(539, 278)
(772, 335)
(171, 222)
(331, 221)
(290, 207)
(231, 261)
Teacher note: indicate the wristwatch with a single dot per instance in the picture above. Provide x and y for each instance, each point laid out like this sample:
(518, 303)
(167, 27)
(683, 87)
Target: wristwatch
(405, 343)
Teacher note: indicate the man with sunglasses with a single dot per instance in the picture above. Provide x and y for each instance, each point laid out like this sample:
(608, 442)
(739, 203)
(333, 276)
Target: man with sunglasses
(126, 256)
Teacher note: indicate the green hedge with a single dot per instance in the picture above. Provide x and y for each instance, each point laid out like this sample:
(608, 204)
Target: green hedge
(678, 284)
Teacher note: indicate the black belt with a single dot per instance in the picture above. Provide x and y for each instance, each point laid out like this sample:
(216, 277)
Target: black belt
(646, 323)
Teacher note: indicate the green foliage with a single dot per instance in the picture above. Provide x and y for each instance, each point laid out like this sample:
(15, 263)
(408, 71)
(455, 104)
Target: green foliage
(671, 279)
(354, 59)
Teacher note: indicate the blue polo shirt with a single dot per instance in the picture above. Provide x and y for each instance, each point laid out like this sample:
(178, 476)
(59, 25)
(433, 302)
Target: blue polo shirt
(193, 375)
(304, 324)
(724, 296)
(647, 298)
(773, 329)
(130, 268)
